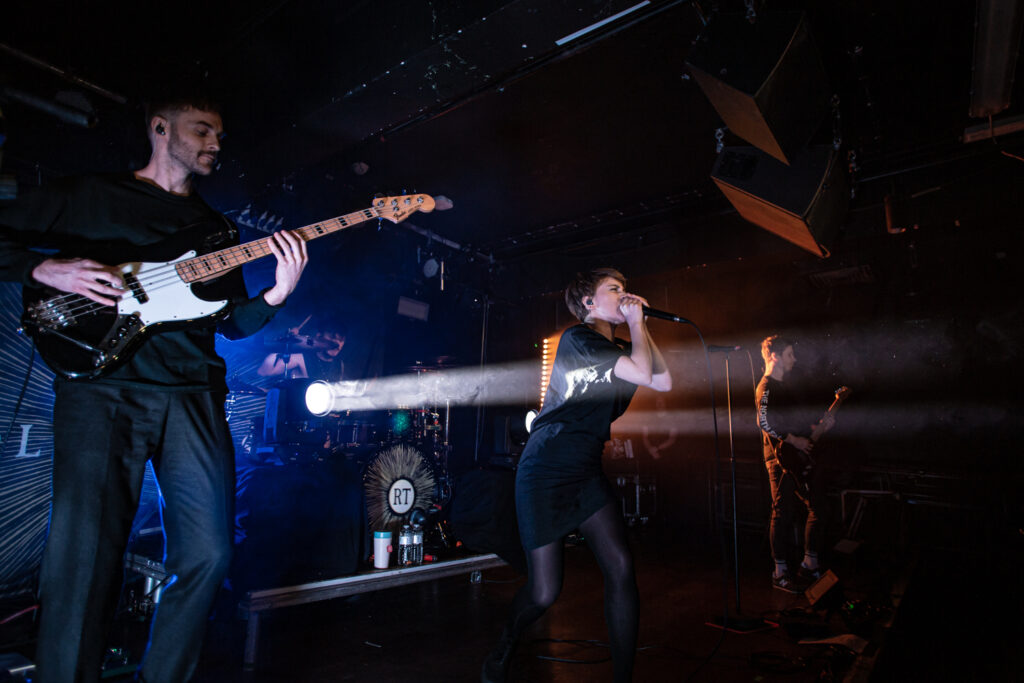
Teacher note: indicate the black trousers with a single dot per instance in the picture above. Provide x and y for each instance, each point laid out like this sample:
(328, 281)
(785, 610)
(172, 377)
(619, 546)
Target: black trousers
(785, 495)
(103, 436)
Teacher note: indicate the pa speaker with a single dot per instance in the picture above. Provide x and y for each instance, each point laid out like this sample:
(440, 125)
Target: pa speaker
(804, 203)
(764, 79)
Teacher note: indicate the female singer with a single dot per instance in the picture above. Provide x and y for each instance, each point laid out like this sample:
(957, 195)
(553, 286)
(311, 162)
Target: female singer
(560, 485)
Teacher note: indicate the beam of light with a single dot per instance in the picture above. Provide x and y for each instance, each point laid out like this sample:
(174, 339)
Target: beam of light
(508, 384)
(896, 372)
(876, 421)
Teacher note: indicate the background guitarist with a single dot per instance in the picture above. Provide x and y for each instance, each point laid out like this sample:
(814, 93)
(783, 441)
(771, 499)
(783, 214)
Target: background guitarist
(165, 403)
(785, 424)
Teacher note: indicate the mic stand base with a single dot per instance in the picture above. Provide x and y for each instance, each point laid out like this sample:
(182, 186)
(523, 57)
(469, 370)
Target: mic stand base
(737, 623)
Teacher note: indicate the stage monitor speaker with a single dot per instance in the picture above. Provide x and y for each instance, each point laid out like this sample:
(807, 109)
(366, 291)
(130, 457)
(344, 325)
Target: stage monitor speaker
(765, 79)
(804, 203)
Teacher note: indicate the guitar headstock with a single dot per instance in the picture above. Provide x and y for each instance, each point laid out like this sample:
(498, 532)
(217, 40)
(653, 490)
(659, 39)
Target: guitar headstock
(397, 209)
(842, 393)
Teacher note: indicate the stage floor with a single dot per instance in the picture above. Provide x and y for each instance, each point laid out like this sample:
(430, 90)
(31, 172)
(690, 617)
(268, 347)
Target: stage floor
(923, 615)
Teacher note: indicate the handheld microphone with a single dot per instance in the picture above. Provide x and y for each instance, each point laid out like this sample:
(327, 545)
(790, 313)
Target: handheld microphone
(655, 313)
(722, 349)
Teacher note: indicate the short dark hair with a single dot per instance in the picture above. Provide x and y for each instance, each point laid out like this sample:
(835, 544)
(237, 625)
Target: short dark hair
(774, 344)
(332, 324)
(180, 100)
(584, 285)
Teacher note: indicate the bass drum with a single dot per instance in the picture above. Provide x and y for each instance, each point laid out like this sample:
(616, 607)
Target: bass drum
(398, 480)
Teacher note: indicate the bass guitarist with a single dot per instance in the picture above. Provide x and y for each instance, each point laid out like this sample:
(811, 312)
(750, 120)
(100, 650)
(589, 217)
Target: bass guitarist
(164, 403)
(786, 429)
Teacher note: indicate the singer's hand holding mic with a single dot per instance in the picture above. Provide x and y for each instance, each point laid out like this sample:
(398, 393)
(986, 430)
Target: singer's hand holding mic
(632, 307)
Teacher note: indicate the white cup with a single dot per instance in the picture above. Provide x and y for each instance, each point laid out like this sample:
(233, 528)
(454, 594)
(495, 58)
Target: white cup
(381, 549)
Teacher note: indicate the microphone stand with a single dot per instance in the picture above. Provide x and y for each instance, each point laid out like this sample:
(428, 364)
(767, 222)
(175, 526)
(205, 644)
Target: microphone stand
(736, 623)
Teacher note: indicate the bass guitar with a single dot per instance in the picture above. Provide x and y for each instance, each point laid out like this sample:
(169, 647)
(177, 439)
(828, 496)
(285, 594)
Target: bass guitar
(801, 465)
(80, 338)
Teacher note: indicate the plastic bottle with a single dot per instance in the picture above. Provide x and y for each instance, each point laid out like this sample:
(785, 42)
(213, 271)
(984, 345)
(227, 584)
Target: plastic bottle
(417, 544)
(405, 552)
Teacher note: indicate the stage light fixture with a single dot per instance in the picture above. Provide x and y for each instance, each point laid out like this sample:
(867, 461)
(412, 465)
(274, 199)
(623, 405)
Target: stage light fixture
(319, 398)
(545, 368)
(324, 398)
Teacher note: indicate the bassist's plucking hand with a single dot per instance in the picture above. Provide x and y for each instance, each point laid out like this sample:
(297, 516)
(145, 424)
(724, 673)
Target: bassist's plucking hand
(91, 279)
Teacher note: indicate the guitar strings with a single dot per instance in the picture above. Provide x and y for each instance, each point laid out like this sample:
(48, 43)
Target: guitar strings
(168, 274)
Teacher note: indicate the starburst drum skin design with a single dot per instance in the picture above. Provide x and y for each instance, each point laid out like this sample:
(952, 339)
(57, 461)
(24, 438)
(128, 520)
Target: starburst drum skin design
(398, 481)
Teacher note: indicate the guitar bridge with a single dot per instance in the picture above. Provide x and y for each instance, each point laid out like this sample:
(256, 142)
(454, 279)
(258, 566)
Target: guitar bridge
(52, 314)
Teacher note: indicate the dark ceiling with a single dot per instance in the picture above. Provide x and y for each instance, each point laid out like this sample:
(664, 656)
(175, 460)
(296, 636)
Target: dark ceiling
(539, 145)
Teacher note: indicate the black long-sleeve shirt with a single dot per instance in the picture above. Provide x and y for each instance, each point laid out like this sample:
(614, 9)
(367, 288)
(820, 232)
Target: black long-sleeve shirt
(98, 215)
(779, 412)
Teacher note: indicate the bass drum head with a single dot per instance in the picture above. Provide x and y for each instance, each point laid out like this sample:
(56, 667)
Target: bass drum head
(399, 480)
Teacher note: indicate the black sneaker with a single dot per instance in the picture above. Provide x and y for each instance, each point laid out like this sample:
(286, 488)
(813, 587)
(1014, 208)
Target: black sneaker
(789, 583)
(808, 576)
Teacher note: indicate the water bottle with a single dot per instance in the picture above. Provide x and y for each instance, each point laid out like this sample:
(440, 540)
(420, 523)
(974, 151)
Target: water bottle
(405, 552)
(417, 544)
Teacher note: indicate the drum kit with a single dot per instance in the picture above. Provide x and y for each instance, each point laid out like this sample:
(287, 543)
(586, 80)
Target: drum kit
(285, 432)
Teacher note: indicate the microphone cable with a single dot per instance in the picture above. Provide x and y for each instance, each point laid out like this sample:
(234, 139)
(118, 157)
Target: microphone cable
(721, 504)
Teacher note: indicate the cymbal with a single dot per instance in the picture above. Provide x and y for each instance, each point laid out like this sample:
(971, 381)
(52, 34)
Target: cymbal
(290, 339)
(236, 386)
(440, 363)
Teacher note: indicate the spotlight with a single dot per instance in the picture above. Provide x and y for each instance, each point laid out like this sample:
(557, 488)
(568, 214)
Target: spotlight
(324, 398)
(528, 422)
(319, 398)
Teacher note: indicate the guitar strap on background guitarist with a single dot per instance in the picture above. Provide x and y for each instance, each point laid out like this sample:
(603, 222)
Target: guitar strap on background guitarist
(801, 465)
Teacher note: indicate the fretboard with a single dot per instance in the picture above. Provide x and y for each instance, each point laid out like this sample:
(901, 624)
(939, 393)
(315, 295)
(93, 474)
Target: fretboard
(215, 264)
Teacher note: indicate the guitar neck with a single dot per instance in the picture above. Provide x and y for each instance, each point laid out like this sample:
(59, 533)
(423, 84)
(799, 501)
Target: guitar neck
(215, 264)
(818, 429)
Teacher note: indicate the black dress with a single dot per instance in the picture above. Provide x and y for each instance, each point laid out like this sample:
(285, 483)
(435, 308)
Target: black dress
(559, 482)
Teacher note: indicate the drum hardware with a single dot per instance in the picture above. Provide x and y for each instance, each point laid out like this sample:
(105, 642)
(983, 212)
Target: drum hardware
(154, 580)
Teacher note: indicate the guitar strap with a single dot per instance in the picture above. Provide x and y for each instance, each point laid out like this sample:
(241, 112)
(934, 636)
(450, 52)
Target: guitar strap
(214, 241)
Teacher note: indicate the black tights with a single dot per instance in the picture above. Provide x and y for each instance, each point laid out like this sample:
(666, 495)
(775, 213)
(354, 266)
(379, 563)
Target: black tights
(605, 534)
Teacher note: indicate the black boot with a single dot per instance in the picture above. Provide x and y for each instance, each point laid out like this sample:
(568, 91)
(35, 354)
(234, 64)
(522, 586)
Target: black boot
(497, 664)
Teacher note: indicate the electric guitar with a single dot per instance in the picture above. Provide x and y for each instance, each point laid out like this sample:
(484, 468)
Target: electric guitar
(801, 465)
(80, 338)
